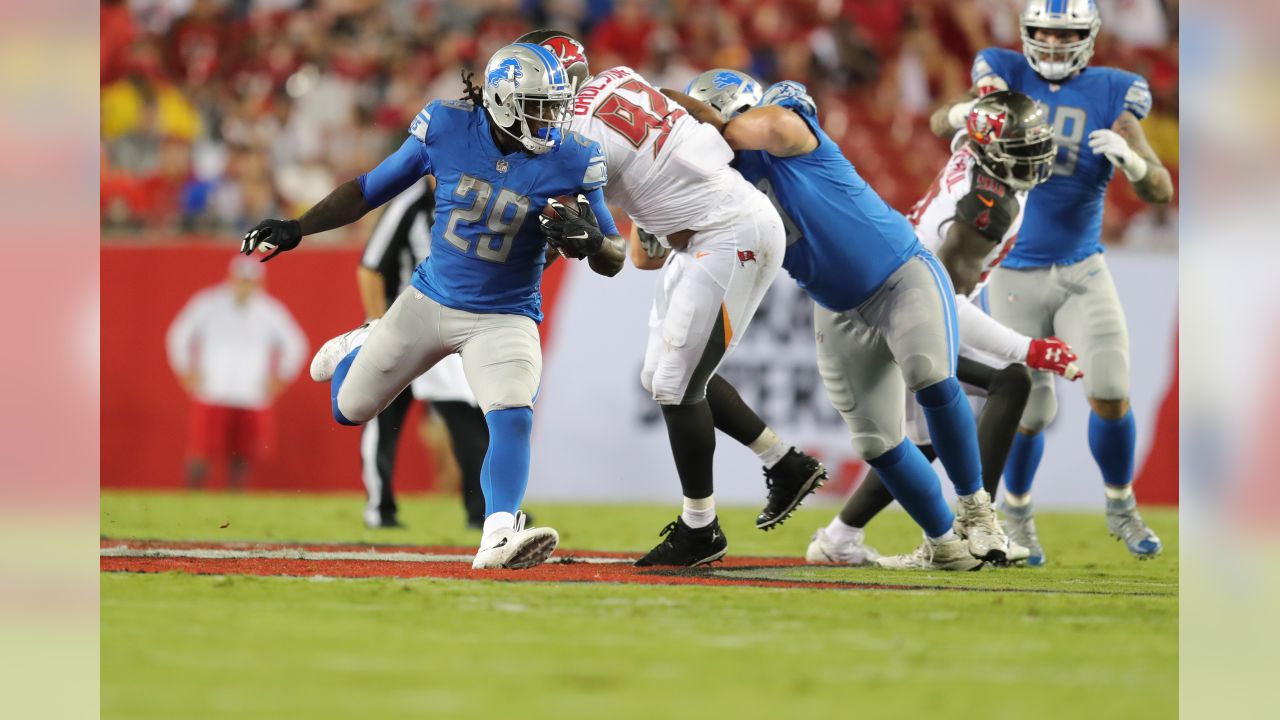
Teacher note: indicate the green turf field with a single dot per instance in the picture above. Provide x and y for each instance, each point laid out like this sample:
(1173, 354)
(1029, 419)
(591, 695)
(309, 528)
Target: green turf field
(1094, 635)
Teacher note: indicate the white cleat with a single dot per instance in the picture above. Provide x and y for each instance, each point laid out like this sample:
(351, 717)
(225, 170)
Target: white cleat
(949, 555)
(331, 353)
(822, 549)
(1017, 553)
(977, 524)
(516, 548)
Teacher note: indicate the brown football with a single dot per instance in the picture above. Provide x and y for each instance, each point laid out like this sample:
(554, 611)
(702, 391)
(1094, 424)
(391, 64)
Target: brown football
(570, 204)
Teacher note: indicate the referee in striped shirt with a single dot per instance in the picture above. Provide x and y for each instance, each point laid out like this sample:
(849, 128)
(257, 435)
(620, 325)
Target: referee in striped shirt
(400, 240)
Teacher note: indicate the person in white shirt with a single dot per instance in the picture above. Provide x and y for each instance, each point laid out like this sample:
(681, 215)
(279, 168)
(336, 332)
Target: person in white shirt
(234, 348)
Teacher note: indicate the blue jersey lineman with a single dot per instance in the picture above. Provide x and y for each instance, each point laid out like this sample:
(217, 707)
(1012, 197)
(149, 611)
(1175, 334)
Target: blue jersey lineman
(884, 314)
(498, 159)
(1055, 281)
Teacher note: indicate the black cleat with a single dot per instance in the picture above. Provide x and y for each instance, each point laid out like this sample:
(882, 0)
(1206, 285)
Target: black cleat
(684, 546)
(789, 481)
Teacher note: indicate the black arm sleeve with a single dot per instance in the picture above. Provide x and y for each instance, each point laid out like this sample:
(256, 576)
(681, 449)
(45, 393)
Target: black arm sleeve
(989, 208)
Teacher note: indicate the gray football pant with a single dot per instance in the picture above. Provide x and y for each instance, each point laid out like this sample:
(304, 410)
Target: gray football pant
(901, 337)
(1079, 304)
(501, 356)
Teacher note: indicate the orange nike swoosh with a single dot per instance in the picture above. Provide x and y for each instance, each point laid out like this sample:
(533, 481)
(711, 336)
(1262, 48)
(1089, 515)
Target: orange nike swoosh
(698, 255)
(984, 201)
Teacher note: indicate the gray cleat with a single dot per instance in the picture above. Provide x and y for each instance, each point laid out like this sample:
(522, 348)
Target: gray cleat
(1020, 526)
(1124, 523)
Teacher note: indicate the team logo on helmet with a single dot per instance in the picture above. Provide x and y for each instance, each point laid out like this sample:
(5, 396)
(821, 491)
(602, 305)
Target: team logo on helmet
(723, 80)
(508, 69)
(984, 127)
(567, 49)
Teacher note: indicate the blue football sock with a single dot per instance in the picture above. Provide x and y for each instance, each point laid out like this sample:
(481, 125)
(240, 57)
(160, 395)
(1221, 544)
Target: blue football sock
(1024, 458)
(913, 483)
(954, 433)
(340, 375)
(505, 472)
(1112, 443)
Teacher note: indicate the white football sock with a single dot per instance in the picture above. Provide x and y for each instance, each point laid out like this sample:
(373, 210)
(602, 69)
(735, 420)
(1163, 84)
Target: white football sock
(769, 447)
(1017, 500)
(699, 513)
(840, 532)
(1118, 493)
(498, 521)
(947, 536)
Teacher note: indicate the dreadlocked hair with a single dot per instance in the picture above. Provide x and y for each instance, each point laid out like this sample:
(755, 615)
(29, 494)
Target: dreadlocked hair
(472, 92)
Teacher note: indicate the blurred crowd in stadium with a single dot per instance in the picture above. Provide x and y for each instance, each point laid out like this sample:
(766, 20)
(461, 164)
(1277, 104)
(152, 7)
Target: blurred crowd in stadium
(217, 113)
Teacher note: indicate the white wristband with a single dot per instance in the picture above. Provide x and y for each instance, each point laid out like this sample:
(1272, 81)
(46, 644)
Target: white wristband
(958, 115)
(1135, 167)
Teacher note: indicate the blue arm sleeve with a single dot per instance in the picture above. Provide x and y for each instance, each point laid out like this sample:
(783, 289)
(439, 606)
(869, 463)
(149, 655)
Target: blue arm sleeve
(396, 173)
(601, 209)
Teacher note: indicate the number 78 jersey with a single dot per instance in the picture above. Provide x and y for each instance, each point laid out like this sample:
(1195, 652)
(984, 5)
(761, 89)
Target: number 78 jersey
(668, 171)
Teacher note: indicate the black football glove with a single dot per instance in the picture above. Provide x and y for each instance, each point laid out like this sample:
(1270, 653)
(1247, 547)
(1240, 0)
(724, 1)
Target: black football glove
(274, 236)
(576, 237)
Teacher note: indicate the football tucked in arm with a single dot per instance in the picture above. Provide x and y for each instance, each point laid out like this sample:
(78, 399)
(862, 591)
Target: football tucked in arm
(557, 211)
(562, 208)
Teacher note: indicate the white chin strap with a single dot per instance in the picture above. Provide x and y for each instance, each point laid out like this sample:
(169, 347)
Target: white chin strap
(536, 147)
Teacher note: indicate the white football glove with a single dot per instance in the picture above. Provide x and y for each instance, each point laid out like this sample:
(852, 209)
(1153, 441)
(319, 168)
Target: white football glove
(958, 115)
(1117, 150)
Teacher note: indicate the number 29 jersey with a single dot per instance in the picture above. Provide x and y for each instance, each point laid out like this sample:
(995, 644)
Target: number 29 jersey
(1063, 223)
(487, 251)
(668, 171)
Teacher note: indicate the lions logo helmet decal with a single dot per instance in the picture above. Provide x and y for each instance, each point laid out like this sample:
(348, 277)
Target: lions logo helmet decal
(508, 69)
(726, 79)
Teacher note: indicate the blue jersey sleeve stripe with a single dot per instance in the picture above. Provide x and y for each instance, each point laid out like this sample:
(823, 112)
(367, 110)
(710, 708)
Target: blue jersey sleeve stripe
(984, 65)
(1137, 98)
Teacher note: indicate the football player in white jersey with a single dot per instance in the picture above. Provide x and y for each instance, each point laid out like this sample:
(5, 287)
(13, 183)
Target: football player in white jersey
(1056, 279)
(725, 244)
(970, 218)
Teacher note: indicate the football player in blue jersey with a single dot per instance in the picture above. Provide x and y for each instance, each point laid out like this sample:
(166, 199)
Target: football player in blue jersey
(1055, 280)
(497, 158)
(884, 314)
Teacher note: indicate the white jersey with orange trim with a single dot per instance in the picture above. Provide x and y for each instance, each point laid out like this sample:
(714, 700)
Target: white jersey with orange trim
(668, 171)
(965, 192)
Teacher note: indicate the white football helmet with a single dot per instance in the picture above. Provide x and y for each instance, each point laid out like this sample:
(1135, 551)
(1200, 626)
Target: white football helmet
(1054, 61)
(728, 92)
(527, 94)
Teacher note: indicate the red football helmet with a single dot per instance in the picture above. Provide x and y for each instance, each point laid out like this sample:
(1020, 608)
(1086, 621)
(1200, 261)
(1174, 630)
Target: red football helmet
(567, 49)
